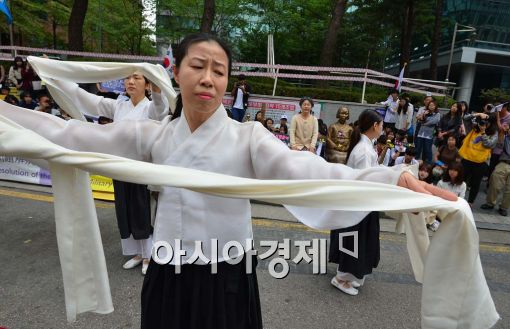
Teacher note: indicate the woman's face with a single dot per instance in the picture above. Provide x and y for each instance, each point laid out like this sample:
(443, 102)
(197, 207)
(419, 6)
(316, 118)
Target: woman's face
(423, 174)
(453, 173)
(306, 107)
(378, 128)
(258, 116)
(391, 136)
(135, 85)
(270, 124)
(453, 109)
(203, 77)
(451, 142)
(432, 106)
(402, 102)
(19, 63)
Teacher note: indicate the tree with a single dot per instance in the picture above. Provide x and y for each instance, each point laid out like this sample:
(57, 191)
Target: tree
(329, 46)
(436, 39)
(75, 26)
(407, 30)
(208, 16)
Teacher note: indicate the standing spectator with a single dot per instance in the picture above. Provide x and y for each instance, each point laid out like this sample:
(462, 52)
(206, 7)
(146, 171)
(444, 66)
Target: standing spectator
(391, 105)
(283, 121)
(15, 72)
(416, 124)
(500, 178)
(404, 117)
(27, 76)
(304, 128)
(3, 77)
(428, 119)
(241, 92)
(475, 151)
(449, 124)
(503, 120)
(321, 138)
(27, 101)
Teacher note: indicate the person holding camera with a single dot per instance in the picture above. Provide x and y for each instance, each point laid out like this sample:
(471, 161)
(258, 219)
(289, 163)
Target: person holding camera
(476, 150)
(499, 179)
(240, 92)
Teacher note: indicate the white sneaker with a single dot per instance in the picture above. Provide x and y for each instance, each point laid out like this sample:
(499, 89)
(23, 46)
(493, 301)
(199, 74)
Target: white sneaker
(145, 266)
(132, 263)
(340, 285)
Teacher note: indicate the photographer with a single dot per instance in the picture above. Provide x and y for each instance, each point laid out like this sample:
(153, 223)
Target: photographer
(476, 150)
(240, 92)
(499, 178)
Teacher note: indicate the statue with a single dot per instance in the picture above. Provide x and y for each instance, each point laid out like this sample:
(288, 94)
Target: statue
(338, 139)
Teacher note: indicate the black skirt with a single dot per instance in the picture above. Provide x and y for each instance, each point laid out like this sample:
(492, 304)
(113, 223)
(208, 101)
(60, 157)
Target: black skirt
(197, 299)
(368, 247)
(132, 207)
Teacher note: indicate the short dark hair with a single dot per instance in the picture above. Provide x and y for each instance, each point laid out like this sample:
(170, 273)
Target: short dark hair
(410, 151)
(241, 77)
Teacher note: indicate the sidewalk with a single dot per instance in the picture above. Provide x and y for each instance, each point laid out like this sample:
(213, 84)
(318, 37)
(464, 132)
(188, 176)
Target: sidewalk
(487, 220)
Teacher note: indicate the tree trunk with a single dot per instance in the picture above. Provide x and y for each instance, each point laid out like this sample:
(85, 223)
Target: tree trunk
(75, 27)
(208, 16)
(330, 43)
(54, 31)
(436, 40)
(407, 33)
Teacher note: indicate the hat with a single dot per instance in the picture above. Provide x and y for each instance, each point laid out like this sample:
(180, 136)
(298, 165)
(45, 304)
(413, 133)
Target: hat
(283, 117)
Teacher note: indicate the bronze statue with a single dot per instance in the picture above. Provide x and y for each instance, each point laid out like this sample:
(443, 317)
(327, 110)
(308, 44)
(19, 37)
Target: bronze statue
(338, 139)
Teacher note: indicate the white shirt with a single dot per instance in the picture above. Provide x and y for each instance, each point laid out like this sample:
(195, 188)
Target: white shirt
(404, 120)
(116, 109)
(239, 99)
(363, 155)
(400, 160)
(459, 190)
(391, 111)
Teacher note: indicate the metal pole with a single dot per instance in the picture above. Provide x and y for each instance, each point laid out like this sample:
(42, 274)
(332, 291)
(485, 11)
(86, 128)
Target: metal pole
(364, 86)
(451, 52)
(275, 80)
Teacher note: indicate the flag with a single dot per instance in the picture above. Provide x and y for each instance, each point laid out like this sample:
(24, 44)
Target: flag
(5, 9)
(398, 83)
(168, 61)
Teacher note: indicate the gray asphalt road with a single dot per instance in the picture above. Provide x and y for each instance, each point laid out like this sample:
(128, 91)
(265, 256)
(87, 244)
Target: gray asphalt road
(31, 291)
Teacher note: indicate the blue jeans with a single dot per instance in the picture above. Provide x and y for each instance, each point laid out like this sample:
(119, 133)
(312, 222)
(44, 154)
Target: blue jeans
(238, 114)
(424, 145)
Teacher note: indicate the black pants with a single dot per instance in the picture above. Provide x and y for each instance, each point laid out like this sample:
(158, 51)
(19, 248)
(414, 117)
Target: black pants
(473, 174)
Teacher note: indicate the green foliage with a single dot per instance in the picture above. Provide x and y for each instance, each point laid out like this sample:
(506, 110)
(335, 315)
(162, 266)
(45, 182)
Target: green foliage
(495, 95)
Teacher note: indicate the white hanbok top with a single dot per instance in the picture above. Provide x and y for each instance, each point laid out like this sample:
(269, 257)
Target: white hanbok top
(191, 216)
(117, 109)
(363, 155)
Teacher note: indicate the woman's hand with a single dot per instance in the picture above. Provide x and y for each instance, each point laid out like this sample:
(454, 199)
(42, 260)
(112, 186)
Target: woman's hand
(155, 89)
(410, 182)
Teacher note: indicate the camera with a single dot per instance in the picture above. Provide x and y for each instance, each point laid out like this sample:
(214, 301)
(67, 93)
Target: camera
(479, 121)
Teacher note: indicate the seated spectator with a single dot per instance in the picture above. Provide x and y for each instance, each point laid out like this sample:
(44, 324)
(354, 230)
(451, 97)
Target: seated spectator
(45, 105)
(259, 116)
(284, 130)
(15, 72)
(425, 173)
(408, 158)
(448, 153)
(4, 91)
(11, 99)
(394, 152)
(268, 123)
(453, 180)
(27, 101)
(283, 121)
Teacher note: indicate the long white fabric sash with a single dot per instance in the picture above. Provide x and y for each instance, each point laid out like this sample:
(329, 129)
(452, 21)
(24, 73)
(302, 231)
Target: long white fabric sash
(455, 292)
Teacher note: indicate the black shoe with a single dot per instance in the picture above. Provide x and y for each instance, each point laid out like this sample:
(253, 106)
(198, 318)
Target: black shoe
(503, 212)
(487, 206)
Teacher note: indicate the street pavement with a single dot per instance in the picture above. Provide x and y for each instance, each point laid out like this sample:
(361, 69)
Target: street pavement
(31, 291)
